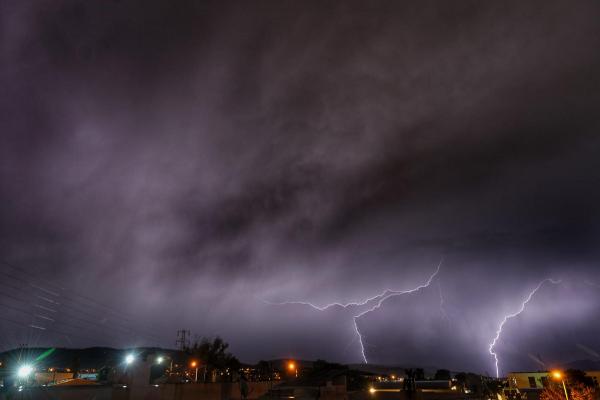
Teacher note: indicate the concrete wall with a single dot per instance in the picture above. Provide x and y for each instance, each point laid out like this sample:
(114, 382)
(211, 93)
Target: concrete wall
(189, 391)
(60, 393)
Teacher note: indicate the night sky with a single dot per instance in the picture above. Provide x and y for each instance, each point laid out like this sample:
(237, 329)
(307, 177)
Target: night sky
(197, 165)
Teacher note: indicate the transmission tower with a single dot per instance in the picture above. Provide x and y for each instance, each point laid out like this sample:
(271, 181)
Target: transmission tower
(183, 339)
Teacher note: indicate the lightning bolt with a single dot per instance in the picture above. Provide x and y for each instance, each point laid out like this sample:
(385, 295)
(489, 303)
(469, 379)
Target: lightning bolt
(369, 304)
(509, 316)
(378, 304)
(442, 302)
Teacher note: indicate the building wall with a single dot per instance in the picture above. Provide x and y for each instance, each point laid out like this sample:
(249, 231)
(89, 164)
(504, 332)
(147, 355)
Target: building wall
(527, 380)
(521, 380)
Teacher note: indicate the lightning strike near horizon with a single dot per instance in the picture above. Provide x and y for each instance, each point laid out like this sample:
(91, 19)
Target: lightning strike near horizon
(509, 316)
(378, 299)
(382, 300)
(442, 301)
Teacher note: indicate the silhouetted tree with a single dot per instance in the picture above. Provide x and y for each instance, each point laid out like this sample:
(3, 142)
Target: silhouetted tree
(576, 392)
(213, 355)
(419, 374)
(264, 370)
(409, 382)
(576, 376)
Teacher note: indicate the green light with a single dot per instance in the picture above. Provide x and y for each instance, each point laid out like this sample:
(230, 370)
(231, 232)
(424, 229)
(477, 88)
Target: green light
(45, 354)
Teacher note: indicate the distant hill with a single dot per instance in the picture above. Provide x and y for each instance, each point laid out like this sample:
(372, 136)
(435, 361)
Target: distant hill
(282, 363)
(584, 365)
(390, 369)
(92, 357)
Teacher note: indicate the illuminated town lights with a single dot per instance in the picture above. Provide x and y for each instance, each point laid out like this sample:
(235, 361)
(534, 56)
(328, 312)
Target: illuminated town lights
(559, 377)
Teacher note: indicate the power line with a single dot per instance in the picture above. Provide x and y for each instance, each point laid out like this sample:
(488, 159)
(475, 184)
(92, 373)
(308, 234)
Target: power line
(59, 318)
(41, 316)
(87, 298)
(75, 302)
(42, 328)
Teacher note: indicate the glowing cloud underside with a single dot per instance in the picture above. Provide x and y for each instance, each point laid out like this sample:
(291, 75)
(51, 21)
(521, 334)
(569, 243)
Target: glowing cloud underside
(509, 316)
(367, 305)
(384, 298)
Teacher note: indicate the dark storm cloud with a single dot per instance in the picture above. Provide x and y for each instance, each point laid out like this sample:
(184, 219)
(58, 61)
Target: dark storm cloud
(190, 163)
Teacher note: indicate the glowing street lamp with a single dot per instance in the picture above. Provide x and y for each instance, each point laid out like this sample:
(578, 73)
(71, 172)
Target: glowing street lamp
(24, 371)
(557, 375)
(160, 359)
(292, 368)
(129, 359)
(194, 364)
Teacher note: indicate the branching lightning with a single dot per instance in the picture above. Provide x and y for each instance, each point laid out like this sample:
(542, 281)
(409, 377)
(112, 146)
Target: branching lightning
(367, 305)
(389, 294)
(509, 316)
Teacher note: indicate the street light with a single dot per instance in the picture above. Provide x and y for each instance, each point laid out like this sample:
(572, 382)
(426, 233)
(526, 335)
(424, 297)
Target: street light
(194, 364)
(24, 371)
(559, 377)
(160, 359)
(292, 367)
(129, 359)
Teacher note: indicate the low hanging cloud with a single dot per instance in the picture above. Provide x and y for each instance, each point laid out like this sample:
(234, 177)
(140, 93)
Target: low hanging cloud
(193, 163)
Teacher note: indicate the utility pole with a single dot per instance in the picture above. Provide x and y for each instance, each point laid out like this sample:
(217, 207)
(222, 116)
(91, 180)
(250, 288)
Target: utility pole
(183, 339)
